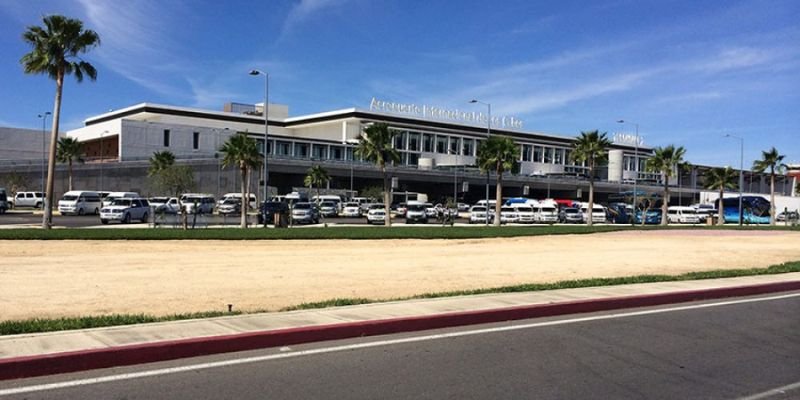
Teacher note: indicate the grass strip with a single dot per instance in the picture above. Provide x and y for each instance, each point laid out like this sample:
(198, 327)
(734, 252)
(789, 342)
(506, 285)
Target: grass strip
(353, 233)
(58, 324)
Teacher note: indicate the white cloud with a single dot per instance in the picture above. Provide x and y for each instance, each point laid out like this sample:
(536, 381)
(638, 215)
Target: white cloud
(305, 9)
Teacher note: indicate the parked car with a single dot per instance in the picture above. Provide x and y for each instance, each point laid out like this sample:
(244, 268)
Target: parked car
(462, 207)
(652, 217)
(29, 199)
(400, 210)
(508, 215)
(570, 215)
(198, 203)
(525, 213)
(164, 205)
(3, 201)
(477, 215)
(253, 202)
(598, 213)
(682, 215)
(269, 209)
(110, 197)
(416, 212)
(376, 216)
(351, 210)
(125, 210)
(305, 213)
(546, 214)
(788, 216)
(231, 206)
(328, 209)
(80, 202)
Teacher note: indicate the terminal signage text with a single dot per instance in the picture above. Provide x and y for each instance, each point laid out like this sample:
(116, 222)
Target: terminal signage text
(628, 139)
(432, 112)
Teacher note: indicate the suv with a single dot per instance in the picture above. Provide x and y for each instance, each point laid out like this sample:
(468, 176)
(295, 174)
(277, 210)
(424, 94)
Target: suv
(570, 215)
(124, 210)
(305, 212)
(269, 209)
(29, 199)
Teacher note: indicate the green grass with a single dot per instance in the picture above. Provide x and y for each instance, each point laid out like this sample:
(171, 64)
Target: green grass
(373, 232)
(67, 323)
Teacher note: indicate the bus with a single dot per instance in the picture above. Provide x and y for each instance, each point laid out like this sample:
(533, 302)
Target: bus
(756, 209)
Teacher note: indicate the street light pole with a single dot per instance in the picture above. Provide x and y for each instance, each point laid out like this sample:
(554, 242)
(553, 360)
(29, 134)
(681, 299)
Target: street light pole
(43, 116)
(352, 143)
(102, 158)
(488, 134)
(741, 174)
(635, 170)
(266, 125)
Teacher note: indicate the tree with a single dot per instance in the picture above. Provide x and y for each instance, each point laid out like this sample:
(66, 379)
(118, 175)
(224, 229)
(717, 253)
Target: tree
(774, 162)
(375, 145)
(316, 176)
(69, 150)
(498, 154)
(56, 53)
(721, 179)
(16, 182)
(241, 150)
(591, 148)
(160, 161)
(666, 160)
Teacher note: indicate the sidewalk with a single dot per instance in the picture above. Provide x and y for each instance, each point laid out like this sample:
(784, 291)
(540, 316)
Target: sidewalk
(57, 352)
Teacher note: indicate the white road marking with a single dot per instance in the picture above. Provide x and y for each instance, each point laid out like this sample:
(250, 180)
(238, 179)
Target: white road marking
(324, 350)
(773, 392)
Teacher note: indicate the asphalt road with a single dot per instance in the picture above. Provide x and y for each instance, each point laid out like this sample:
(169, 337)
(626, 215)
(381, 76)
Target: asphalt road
(720, 351)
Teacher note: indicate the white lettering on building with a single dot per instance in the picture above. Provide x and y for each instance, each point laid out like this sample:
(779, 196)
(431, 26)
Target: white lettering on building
(628, 139)
(432, 112)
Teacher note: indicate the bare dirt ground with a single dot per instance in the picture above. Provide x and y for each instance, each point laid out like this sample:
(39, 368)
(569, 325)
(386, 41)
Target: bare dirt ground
(163, 277)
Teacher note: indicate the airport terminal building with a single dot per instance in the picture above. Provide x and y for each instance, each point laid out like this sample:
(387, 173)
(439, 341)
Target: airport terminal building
(437, 148)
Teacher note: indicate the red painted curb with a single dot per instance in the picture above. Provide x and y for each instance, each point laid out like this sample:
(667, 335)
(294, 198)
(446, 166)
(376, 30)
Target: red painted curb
(57, 363)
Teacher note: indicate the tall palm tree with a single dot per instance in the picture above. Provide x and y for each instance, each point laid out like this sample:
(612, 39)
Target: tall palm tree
(375, 145)
(69, 150)
(721, 179)
(591, 148)
(56, 53)
(498, 154)
(666, 160)
(241, 150)
(160, 161)
(316, 176)
(774, 161)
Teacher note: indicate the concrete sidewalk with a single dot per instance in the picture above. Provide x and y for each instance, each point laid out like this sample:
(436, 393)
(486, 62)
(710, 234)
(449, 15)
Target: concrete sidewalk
(67, 351)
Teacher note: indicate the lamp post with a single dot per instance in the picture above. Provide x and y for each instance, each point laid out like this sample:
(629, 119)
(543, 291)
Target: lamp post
(255, 72)
(43, 116)
(102, 158)
(488, 134)
(635, 169)
(741, 173)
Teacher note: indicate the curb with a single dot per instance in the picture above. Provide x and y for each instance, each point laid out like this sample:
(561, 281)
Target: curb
(58, 363)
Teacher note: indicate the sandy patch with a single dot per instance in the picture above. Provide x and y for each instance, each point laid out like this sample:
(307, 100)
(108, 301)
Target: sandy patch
(57, 278)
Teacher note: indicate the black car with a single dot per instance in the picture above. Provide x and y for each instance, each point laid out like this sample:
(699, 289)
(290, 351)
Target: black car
(269, 209)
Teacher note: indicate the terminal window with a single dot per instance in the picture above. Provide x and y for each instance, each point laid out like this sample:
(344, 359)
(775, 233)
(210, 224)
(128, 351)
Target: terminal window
(195, 140)
(166, 137)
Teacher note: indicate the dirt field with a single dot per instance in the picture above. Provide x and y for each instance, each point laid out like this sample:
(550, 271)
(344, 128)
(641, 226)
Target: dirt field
(162, 277)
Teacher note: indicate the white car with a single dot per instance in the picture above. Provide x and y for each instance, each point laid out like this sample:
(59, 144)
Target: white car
(683, 215)
(29, 199)
(376, 216)
(508, 215)
(549, 215)
(525, 214)
(477, 215)
(351, 210)
(165, 205)
(125, 210)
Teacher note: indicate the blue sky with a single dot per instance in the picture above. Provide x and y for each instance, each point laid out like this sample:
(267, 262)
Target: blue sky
(686, 71)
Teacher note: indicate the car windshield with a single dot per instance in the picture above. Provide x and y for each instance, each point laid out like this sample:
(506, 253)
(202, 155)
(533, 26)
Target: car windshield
(232, 201)
(302, 206)
(70, 198)
(506, 209)
(479, 209)
(327, 204)
(524, 209)
(121, 202)
(351, 205)
(158, 199)
(416, 207)
(571, 211)
(548, 209)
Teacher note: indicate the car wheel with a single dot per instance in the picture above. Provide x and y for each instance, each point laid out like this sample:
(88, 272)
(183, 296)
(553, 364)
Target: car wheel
(38, 205)
(104, 221)
(126, 219)
(81, 212)
(144, 218)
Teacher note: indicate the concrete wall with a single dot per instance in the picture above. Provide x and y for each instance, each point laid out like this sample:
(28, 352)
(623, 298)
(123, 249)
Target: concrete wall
(23, 144)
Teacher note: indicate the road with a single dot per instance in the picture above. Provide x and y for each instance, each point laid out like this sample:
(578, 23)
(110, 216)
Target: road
(737, 348)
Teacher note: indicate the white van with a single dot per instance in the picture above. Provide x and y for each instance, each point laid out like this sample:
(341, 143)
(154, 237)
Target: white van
(526, 213)
(118, 195)
(682, 215)
(598, 213)
(329, 197)
(548, 214)
(204, 201)
(80, 202)
(253, 201)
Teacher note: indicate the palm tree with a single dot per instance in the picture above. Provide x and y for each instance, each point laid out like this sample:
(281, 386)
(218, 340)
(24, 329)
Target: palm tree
(721, 179)
(69, 150)
(56, 53)
(666, 160)
(591, 148)
(375, 145)
(160, 161)
(500, 154)
(241, 150)
(317, 176)
(774, 161)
